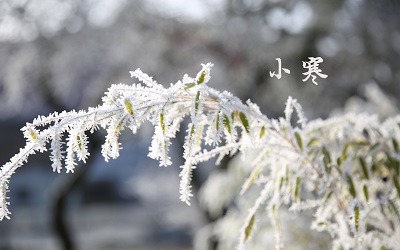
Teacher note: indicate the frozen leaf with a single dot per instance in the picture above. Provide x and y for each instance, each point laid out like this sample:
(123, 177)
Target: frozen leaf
(363, 167)
(395, 145)
(201, 77)
(356, 217)
(366, 194)
(352, 189)
(244, 121)
(128, 106)
(189, 85)
(253, 176)
(296, 188)
(196, 103)
(249, 227)
(262, 131)
(312, 141)
(298, 139)
(226, 122)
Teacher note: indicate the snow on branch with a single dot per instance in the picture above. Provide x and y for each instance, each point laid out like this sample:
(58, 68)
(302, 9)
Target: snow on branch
(346, 169)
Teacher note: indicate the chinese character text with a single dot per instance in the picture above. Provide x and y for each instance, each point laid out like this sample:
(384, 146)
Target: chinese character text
(313, 69)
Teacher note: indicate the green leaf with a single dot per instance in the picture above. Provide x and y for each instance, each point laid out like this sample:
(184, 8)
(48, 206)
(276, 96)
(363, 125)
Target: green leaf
(118, 127)
(374, 146)
(217, 122)
(356, 217)
(202, 76)
(298, 139)
(327, 160)
(284, 131)
(395, 145)
(249, 227)
(162, 122)
(128, 106)
(262, 132)
(78, 138)
(338, 161)
(245, 122)
(312, 141)
(296, 188)
(225, 121)
(328, 168)
(328, 197)
(396, 184)
(196, 103)
(363, 167)
(344, 152)
(352, 189)
(32, 135)
(326, 154)
(374, 167)
(189, 85)
(253, 175)
(191, 131)
(281, 183)
(365, 190)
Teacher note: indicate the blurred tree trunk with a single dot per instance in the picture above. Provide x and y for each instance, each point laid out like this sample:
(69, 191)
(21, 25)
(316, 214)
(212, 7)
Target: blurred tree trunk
(64, 191)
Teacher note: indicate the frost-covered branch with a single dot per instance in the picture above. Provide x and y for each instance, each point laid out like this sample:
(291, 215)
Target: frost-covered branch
(345, 169)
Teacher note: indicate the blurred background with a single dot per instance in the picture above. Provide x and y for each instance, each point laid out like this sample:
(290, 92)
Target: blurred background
(60, 55)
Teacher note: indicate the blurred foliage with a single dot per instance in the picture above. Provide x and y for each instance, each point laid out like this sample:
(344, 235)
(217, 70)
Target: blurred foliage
(91, 44)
